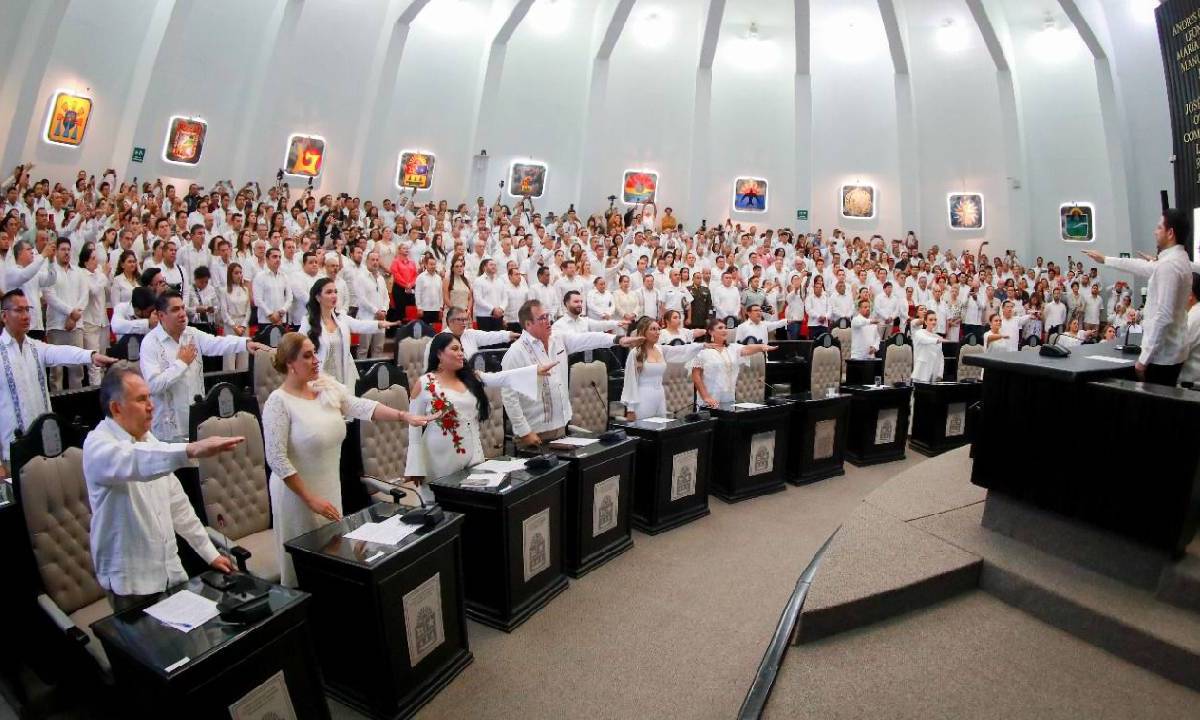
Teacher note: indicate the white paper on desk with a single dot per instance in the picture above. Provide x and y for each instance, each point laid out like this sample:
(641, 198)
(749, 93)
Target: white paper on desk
(499, 466)
(485, 480)
(575, 442)
(748, 406)
(659, 420)
(388, 532)
(184, 611)
(1105, 358)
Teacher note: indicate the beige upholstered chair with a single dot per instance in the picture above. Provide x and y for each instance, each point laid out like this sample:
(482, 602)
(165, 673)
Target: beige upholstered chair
(678, 389)
(384, 446)
(263, 376)
(750, 381)
(410, 356)
(969, 372)
(843, 336)
(898, 364)
(588, 386)
(233, 485)
(58, 517)
(491, 431)
(826, 371)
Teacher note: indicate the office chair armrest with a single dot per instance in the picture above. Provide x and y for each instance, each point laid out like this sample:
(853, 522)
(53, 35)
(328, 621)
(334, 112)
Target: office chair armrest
(61, 621)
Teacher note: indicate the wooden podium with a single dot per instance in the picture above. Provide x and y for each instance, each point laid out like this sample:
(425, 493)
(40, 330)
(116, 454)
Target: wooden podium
(599, 489)
(162, 672)
(817, 434)
(512, 542)
(940, 415)
(397, 610)
(752, 442)
(670, 485)
(864, 371)
(878, 423)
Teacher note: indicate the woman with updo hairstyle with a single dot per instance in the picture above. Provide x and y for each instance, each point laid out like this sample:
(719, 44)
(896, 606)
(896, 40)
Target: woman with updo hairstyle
(329, 331)
(642, 394)
(454, 393)
(304, 424)
(715, 369)
(673, 329)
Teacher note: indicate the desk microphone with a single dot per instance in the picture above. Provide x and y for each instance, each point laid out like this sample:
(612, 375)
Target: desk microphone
(603, 403)
(217, 580)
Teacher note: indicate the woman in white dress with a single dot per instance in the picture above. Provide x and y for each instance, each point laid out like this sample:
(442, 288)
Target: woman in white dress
(645, 366)
(455, 393)
(994, 339)
(715, 368)
(330, 331)
(929, 365)
(304, 424)
(126, 279)
(235, 314)
(674, 330)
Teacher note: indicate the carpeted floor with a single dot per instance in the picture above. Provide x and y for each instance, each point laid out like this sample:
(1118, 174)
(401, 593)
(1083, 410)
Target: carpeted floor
(674, 628)
(969, 657)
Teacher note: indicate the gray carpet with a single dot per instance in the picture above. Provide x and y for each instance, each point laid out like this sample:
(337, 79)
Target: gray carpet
(970, 657)
(673, 628)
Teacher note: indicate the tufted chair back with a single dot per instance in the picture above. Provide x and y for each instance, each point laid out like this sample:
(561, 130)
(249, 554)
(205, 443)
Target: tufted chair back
(58, 515)
(385, 445)
(969, 372)
(677, 386)
(898, 364)
(263, 377)
(589, 395)
(410, 355)
(843, 335)
(491, 431)
(826, 371)
(234, 484)
(750, 387)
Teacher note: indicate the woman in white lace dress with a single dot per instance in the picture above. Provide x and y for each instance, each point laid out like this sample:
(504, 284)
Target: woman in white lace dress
(304, 424)
(455, 394)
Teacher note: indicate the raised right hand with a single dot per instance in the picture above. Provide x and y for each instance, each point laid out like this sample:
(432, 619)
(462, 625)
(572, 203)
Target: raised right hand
(214, 445)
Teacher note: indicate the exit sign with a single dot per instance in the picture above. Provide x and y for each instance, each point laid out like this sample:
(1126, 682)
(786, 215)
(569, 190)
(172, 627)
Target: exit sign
(139, 154)
(801, 214)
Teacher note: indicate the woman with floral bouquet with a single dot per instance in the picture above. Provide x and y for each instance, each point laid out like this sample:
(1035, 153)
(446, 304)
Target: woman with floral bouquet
(454, 393)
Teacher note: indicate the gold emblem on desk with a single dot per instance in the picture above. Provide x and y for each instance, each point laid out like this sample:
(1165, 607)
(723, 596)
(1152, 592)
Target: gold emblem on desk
(956, 419)
(885, 426)
(683, 474)
(423, 619)
(605, 497)
(535, 543)
(762, 453)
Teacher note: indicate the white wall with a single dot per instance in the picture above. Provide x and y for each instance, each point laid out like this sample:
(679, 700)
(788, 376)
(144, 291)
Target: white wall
(262, 70)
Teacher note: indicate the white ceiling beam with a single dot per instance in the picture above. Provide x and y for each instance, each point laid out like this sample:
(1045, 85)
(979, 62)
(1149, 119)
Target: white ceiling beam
(1084, 28)
(712, 33)
(803, 37)
(616, 25)
(988, 31)
(891, 25)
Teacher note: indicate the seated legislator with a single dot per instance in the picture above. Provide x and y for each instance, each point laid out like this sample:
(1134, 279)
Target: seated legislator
(304, 424)
(715, 369)
(138, 505)
(23, 362)
(545, 417)
(453, 392)
(642, 393)
(929, 365)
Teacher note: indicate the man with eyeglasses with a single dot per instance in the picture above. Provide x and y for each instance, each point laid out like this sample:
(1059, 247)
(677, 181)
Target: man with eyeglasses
(457, 323)
(535, 421)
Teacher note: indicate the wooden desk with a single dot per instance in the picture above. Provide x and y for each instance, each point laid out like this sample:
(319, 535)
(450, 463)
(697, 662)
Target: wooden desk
(225, 662)
(878, 423)
(753, 446)
(512, 542)
(397, 611)
(674, 461)
(817, 434)
(940, 415)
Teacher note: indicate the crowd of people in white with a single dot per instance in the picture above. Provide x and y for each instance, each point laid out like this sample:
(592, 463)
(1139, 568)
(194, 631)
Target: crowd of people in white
(196, 270)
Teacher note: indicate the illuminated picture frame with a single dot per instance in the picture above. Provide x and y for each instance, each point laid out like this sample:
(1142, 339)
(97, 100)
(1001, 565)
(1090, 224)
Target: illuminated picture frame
(966, 210)
(639, 187)
(527, 179)
(859, 201)
(414, 170)
(305, 155)
(184, 143)
(67, 121)
(1077, 222)
(750, 194)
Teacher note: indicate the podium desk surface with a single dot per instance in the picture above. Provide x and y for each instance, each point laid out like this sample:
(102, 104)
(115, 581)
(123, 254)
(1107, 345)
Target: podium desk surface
(1096, 361)
(157, 647)
(596, 449)
(677, 426)
(516, 484)
(735, 409)
(875, 389)
(328, 541)
(1151, 391)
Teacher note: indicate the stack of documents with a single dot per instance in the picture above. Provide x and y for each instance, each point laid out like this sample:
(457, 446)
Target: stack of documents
(658, 420)
(483, 480)
(748, 405)
(388, 532)
(498, 466)
(184, 611)
(570, 443)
